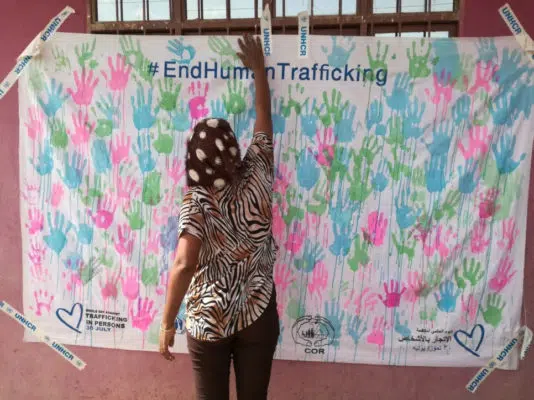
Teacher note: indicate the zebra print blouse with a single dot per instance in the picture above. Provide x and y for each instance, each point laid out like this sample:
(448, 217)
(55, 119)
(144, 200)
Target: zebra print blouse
(234, 280)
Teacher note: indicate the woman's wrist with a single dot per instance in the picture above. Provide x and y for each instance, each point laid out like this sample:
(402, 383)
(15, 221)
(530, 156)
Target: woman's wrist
(167, 327)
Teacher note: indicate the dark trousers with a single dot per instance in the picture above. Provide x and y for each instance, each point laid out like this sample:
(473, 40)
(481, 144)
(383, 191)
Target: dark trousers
(251, 350)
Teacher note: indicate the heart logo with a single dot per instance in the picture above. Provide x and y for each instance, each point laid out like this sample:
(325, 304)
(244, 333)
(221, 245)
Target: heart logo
(73, 318)
(460, 334)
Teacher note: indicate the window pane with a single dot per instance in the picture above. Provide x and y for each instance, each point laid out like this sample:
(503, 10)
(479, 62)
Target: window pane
(106, 10)
(413, 34)
(439, 34)
(132, 10)
(159, 10)
(293, 7)
(348, 7)
(214, 9)
(192, 9)
(413, 6)
(442, 5)
(279, 8)
(384, 6)
(325, 7)
(389, 34)
(242, 8)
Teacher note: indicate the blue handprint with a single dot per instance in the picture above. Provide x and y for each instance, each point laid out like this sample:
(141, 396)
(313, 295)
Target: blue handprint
(343, 130)
(521, 101)
(406, 215)
(435, 173)
(335, 316)
(402, 329)
(73, 262)
(169, 235)
(110, 111)
(279, 120)
(501, 109)
(56, 98)
(380, 180)
(241, 125)
(503, 152)
(510, 69)
(447, 58)
(185, 54)
(100, 155)
(85, 234)
(144, 153)
(180, 119)
(460, 109)
(73, 171)
(252, 110)
(344, 209)
(46, 162)
(308, 119)
(307, 171)
(57, 238)
(338, 56)
(412, 120)
(374, 117)
(441, 140)
(342, 240)
(353, 328)
(218, 110)
(399, 99)
(447, 296)
(179, 322)
(469, 176)
(487, 51)
(143, 116)
(311, 255)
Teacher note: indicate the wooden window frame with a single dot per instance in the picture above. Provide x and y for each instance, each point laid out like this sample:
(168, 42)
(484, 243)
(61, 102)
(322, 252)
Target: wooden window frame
(363, 23)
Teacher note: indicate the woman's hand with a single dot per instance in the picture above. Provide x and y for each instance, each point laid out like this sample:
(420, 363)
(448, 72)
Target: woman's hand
(251, 53)
(166, 340)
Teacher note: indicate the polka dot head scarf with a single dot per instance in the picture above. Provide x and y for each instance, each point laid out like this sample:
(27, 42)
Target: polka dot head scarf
(212, 154)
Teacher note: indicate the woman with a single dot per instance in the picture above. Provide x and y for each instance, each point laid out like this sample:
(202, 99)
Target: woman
(226, 252)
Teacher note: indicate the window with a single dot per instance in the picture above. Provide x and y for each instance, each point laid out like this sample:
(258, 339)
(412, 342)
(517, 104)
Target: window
(383, 18)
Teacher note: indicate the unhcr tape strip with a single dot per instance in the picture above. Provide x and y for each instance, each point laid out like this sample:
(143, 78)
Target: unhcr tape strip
(57, 347)
(523, 38)
(524, 335)
(33, 50)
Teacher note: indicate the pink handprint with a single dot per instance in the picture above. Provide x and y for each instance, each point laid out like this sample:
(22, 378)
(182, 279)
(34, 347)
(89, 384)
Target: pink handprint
(479, 143)
(35, 221)
(105, 211)
(484, 75)
(31, 194)
(152, 246)
(162, 287)
(319, 281)
(469, 309)
(488, 203)
(197, 104)
(119, 75)
(279, 225)
(37, 253)
(130, 284)
(124, 240)
(375, 231)
(82, 128)
(283, 178)
(127, 189)
(365, 302)
(35, 126)
(85, 87)
(509, 234)
(43, 301)
(39, 273)
(442, 242)
(503, 276)
(109, 287)
(325, 147)
(443, 86)
(282, 278)
(167, 207)
(120, 149)
(56, 195)
(176, 171)
(295, 239)
(377, 334)
(393, 296)
(74, 281)
(415, 286)
(144, 316)
(478, 241)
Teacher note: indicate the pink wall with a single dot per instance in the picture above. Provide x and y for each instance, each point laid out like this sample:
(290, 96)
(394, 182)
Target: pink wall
(31, 371)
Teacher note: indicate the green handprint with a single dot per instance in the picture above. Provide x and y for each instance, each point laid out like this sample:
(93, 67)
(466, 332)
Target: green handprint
(418, 177)
(103, 259)
(295, 309)
(449, 206)
(360, 187)
(430, 317)
(152, 189)
(509, 191)
(460, 282)
(490, 174)
(104, 127)
(319, 195)
(62, 61)
(164, 143)
(493, 313)
(90, 194)
(139, 63)
(339, 164)
(222, 47)
(369, 149)
(396, 169)
(360, 254)
(133, 215)
(37, 77)
(406, 247)
(419, 62)
(333, 109)
(292, 103)
(168, 94)
(433, 279)
(150, 273)
(235, 102)
(293, 212)
(395, 137)
(482, 106)
(89, 271)
(473, 274)
(378, 63)
(467, 66)
(58, 137)
(85, 54)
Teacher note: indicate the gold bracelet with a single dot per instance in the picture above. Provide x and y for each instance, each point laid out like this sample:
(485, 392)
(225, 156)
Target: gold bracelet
(162, 329)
